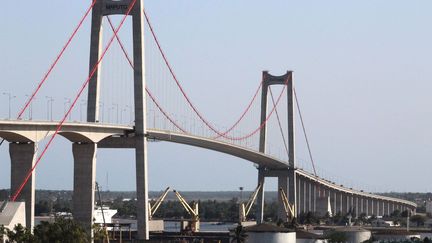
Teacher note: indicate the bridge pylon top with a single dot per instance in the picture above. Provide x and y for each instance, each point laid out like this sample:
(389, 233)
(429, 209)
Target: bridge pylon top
(269, 79)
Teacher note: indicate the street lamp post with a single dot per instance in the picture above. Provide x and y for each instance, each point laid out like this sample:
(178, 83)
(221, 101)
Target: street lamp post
(117, 109)
(49, 107)
(101, 107)
(10, 97)
(83, 102)
(154, 117)
(130, 113)
(121, 114)
(30, 109)
(67, 102)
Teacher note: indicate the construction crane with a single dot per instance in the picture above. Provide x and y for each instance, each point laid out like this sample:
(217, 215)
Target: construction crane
(245, 208)
(289, 209)
(156, 205)
(105, 229)
(193, 223)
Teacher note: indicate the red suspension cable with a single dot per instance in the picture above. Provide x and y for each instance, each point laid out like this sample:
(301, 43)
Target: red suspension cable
(304, 132)
(147, 90)
(267, 118)
(120, 43)
(163, 112)
(279, 122)
(244, 112)
(59, 126)
(220, 134)
(47, 74)
(201, 117)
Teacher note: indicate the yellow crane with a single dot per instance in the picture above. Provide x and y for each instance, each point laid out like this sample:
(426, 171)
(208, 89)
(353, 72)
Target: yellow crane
(193, 223)
(289, 209)
(153, 208)
(245, 208)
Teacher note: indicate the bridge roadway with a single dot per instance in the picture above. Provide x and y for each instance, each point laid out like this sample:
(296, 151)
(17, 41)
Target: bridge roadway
(311, 190)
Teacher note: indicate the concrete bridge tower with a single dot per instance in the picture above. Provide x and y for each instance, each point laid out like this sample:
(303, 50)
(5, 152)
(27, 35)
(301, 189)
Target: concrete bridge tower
(85, 152)
(286, 178)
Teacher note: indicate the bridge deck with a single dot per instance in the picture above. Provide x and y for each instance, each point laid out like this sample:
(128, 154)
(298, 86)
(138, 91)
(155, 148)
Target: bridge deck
(34, 131)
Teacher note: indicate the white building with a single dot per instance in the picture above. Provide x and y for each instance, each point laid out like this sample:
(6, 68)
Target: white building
(107, 214)
(11, 214)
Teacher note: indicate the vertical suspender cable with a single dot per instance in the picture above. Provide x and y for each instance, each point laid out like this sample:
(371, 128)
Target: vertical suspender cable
(59, 126)
(304, 132)
(45, 77)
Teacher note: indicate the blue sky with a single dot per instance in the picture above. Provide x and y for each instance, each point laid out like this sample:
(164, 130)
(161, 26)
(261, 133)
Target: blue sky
(362, 71)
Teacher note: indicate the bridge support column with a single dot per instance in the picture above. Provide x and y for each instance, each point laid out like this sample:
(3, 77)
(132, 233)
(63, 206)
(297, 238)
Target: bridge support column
(388, 208)
(314, 196)
(370, 207)
(142, 187)
(260, 197)
(84, 183)
(340, 209)
(292, 194)
(304, 196)
(308, 196)
(334, 203)
(357, 211)
(282, 183)
(377, 208)
(22, 160)
(300, 197)
(345, 202)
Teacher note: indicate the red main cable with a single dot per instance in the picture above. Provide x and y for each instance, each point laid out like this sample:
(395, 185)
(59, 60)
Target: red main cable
(245, 111)
(45, 77)
(304, 132)
(201, 117)
(267, 118)
(147, 90)
(223, 134)
(59, 126)
(279, 122)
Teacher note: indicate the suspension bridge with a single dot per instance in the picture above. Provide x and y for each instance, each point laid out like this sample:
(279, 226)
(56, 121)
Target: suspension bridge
(150, 103)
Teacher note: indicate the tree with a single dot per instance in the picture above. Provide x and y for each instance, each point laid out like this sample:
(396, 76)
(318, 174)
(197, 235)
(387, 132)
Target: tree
(62, 230)
(418, 219)
(337, 237)
(396, 214)
(239, 235)
(20, 234)
(2, 232)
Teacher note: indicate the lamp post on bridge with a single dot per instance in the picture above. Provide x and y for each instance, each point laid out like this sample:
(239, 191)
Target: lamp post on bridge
(130, 113)
(83, 102)
(121, 114)
(67, 101)
(117, 113)
(109, 114)
(10, 97)
(102, 106)
(50, 100)
(154, 117)
(30, 109)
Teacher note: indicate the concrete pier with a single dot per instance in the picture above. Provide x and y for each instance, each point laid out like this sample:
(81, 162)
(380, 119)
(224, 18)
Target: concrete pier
(83, 200)
(23, 156)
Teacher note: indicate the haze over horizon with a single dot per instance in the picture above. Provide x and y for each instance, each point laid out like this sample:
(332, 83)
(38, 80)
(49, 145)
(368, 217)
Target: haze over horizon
(361, 69)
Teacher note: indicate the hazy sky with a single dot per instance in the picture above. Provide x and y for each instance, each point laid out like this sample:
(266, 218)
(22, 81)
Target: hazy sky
(362, 71)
